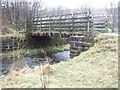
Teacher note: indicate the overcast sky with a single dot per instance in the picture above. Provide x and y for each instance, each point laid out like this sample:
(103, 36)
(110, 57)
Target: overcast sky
(78, 3)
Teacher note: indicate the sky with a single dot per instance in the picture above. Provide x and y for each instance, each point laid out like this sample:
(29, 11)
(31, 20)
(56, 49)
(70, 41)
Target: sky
(78, 3)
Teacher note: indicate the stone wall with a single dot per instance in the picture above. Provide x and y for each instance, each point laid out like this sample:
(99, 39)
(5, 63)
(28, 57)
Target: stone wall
(13, 43)
(79, 44)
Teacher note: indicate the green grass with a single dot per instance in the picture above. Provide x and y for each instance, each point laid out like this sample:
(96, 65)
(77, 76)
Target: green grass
(95, 68)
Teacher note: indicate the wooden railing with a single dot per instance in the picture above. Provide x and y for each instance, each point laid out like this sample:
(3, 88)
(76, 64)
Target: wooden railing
(100, 23)
(63, 23)
(68, 23)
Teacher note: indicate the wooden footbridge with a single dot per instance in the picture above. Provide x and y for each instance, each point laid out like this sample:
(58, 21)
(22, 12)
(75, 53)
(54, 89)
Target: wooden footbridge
(77, 27)
(69, 24)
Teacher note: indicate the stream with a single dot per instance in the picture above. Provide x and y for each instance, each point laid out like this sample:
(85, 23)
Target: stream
(34, 61)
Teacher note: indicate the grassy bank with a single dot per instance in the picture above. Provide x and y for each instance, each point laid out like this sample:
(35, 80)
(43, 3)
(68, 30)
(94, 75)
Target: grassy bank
(95, 68)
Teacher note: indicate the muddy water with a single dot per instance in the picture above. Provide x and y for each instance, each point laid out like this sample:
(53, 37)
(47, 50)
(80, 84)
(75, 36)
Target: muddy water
(34, 61)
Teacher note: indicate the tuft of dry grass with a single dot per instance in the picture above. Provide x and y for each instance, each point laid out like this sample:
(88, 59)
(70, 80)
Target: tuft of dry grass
(47, 68)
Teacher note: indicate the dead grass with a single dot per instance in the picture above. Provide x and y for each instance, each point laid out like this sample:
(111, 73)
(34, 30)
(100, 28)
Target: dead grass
(9, 36)
(95, 68)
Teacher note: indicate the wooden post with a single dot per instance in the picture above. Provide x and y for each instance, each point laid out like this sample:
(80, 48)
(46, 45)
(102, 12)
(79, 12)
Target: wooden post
(106, 24)
(72, 22)
(49, 27)
(40, 23)
(92, 23)
(88, 15)
(60, 25)
(86, 26)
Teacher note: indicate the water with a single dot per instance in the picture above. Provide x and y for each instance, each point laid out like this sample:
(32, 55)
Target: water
(35, 61)
(60, 56)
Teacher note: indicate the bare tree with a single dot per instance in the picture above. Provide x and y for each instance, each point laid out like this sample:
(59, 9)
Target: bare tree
(112, 16)
(16, 13)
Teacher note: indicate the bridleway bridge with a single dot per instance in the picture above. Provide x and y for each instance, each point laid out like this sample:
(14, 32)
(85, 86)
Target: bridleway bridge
(79, 27)
(66, 25)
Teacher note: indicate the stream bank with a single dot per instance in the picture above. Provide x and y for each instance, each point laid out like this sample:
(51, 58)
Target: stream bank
(33, 57)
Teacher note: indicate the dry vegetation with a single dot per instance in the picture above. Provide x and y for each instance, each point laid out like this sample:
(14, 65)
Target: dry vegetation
(10, 36)
(95, 68)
